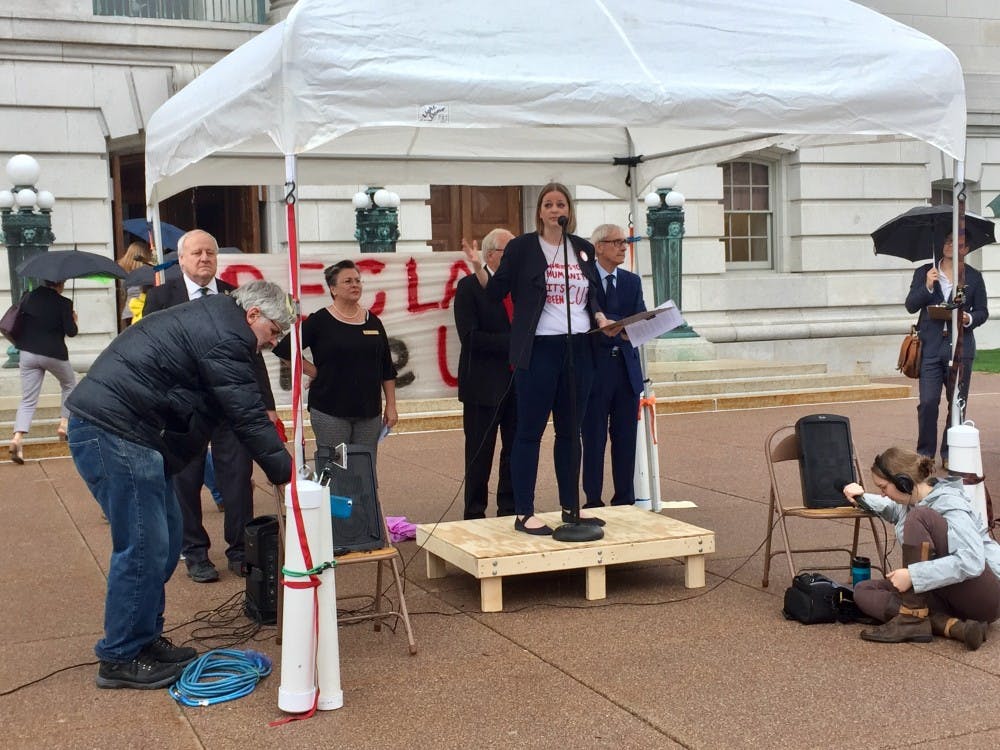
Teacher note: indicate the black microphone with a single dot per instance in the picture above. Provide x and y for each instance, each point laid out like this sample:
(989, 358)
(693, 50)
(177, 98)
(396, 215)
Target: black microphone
(563, 221)
(859, 500)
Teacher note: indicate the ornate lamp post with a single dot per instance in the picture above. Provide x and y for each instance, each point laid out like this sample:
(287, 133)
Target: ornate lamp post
(377, 216)
(26, 232)
(665, 226)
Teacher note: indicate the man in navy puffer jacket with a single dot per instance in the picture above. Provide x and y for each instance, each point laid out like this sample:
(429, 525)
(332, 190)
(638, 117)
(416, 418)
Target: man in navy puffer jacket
(148, 404)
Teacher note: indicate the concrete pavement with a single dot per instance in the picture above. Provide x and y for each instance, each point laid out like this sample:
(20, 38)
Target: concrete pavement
(654, 665)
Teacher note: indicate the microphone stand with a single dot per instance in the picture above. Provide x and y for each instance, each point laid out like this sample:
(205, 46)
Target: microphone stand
(573, 531)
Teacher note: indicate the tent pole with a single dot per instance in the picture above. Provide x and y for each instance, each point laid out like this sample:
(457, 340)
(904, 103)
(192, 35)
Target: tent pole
(958, 271)
(649, 448)
(291, 195)
(153, 216)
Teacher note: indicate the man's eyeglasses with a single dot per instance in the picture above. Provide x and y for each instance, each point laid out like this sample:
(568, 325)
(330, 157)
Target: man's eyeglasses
(616, 243)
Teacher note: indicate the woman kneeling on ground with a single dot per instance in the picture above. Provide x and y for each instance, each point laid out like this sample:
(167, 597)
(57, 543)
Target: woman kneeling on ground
(948, 584)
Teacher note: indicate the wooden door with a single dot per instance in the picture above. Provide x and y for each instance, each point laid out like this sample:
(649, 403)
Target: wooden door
(471, 211)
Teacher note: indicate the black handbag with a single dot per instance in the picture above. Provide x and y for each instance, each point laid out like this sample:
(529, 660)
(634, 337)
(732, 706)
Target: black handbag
(10, 323)
(813, 598)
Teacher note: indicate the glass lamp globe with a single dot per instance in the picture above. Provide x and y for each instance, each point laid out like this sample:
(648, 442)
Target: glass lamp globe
(652, 200)
(665, 181)
(25, 198)
(674, 199)
(361, 201)
(383, 198)
(393, 200)
(6, 199)
(46, 200)
(23, 170)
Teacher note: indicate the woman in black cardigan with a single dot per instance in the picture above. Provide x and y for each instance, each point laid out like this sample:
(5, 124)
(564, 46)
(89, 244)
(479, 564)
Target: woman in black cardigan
(47, 318)
(533, 273)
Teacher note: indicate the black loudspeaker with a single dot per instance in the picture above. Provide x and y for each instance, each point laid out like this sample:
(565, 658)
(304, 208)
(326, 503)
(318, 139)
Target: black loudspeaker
(261, 543)
(826, 460)
(365, 528)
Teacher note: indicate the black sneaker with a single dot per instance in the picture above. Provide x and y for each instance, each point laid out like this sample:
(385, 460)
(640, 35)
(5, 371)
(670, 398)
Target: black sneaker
(142, 673)
(202, 572)
(162, 650)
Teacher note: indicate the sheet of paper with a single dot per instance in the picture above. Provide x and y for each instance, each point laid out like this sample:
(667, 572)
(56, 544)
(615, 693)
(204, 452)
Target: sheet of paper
(667, 318)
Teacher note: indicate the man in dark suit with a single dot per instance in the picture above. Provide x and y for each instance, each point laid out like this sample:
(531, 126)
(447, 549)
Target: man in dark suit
(484, 384)
(614, 398)
(934, 284)
(198, 256)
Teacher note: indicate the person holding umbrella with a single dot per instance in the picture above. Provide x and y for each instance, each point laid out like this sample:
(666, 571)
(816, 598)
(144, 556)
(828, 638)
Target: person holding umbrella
(935, 284)
(47, 319)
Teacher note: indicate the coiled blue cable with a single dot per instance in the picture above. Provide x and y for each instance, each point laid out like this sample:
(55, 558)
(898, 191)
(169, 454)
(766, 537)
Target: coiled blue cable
(218, 676)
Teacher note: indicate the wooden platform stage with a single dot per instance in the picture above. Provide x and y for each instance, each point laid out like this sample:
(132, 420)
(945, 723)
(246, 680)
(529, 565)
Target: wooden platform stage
(490, 549)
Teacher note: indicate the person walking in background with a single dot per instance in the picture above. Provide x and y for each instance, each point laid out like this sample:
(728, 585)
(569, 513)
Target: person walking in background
(614, 398)
(198, 258)
(532, 271)
(351, 367)
(136, 255)
(145, 411)
(934, 284)
(484, 383)
(948, 584)
(47, 318)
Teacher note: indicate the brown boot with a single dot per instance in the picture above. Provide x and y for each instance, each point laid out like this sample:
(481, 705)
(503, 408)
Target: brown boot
(970, 632)
(911, 624)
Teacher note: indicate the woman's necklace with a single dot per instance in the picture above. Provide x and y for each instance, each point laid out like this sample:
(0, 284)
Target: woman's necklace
(345, 316)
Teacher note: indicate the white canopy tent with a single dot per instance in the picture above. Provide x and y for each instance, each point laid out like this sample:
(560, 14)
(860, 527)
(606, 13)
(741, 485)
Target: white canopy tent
(608, 93)
(481, 92)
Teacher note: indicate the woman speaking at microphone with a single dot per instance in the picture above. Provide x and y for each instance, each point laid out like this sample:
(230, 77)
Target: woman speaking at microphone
(533, 273)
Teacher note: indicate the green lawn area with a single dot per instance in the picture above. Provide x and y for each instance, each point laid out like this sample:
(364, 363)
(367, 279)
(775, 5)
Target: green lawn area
(987, 360)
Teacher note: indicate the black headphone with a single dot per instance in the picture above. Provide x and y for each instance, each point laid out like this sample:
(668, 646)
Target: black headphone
(902, 482)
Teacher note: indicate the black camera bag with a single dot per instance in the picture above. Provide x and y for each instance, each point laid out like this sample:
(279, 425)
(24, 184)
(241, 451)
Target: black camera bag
(813, 598)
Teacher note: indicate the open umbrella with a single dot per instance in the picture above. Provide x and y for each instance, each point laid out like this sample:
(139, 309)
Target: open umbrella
(919, 233)
(144, 230)
(144, 275)
(59, 265)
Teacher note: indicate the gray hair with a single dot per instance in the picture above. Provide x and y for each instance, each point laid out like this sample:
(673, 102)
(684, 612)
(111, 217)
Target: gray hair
(270, 299)
(601, 232)
(490, 240)
(180, 242)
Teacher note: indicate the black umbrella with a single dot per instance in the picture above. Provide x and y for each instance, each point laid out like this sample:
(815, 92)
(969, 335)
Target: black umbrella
(919, 233)
(59, 265)
(144, 230)
(144, 275)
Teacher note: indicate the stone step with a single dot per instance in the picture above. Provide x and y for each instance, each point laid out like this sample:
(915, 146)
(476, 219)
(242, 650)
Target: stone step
(774, 382)
(727, 369)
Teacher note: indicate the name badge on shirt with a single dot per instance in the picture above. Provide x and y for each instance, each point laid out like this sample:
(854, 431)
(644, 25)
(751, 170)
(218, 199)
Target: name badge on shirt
(370, 333)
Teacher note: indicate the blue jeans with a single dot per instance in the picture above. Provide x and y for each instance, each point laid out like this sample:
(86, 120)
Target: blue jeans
(542, 389)
(129, 482)
(209, 479)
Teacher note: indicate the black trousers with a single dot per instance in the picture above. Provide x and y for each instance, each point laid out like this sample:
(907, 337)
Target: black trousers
(481, 423)
(233, 470)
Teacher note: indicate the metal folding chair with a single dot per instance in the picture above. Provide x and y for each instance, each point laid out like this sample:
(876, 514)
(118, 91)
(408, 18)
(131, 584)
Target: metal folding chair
(783, 445)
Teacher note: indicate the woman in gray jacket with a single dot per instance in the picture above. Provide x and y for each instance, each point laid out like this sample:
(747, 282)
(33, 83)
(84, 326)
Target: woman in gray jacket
(949, 583)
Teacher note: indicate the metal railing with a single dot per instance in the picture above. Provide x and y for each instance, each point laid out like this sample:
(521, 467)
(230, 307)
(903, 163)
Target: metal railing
(221, 11)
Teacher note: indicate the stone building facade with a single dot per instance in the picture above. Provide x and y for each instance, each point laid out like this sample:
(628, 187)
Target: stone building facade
(791, 277)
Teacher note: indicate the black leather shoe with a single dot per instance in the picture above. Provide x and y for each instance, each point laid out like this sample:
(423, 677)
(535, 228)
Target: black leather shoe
(540, 531)
(238, 567)
(202, 572)
(567, 517)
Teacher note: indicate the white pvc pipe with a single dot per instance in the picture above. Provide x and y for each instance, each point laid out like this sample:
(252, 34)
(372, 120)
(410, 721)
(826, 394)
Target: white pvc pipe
(331, 696)
(297, 692)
